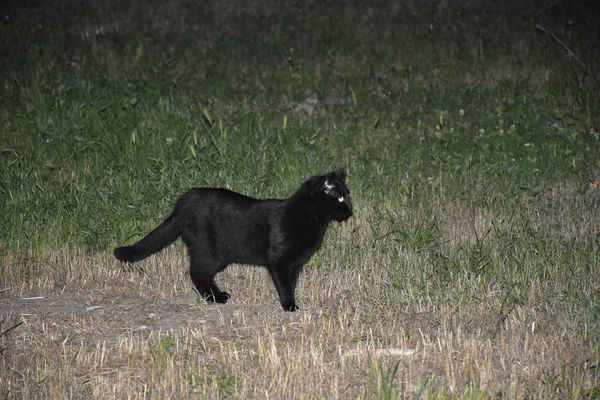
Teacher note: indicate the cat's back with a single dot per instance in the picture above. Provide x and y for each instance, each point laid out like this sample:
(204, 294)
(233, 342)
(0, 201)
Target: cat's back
(218, 200)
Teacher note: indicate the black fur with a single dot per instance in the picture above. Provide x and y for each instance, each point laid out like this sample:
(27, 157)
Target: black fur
(220, 227)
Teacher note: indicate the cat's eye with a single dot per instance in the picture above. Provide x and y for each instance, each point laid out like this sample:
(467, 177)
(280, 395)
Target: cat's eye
(341, 199)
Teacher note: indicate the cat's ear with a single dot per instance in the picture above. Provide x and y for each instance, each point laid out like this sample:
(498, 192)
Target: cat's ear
(340, 174)
(331, 178)
(326, 183)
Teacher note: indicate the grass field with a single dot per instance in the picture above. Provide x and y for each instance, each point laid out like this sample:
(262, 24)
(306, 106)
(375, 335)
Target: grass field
(470, 132)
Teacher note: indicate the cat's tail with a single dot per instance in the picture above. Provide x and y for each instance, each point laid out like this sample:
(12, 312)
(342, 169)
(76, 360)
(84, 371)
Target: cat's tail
(165, 234)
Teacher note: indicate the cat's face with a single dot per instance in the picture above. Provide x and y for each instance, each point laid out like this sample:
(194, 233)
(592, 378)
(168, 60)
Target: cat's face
(333, 185)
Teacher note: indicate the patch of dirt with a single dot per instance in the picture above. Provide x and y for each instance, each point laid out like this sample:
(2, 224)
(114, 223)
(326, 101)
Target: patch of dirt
(131, 312)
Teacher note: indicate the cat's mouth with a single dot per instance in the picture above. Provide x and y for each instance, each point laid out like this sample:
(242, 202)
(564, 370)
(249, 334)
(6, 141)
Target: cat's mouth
(344, 215)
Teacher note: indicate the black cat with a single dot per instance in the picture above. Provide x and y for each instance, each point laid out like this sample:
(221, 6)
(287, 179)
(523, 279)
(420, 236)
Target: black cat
(220, 227)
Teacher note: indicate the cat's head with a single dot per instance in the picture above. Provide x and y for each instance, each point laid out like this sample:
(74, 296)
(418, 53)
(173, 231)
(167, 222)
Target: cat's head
(332, 189)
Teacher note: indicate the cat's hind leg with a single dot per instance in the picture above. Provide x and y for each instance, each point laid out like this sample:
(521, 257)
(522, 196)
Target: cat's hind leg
(207, 287)
(202, 272)
(217, 296)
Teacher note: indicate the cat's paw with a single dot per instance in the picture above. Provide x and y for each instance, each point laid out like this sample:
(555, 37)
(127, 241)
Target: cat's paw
(290, 307)
(220, 297)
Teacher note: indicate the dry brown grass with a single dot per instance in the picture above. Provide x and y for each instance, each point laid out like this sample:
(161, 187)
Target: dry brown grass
(368, 302)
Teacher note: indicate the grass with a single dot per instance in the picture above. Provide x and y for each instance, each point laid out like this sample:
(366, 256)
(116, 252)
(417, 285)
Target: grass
(470, 269)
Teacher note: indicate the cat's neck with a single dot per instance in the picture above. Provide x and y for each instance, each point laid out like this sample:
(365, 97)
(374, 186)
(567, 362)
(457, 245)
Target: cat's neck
(310, 208)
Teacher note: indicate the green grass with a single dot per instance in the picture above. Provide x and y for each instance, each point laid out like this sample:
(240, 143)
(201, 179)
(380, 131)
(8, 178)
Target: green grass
(97, 120)
(470, 138)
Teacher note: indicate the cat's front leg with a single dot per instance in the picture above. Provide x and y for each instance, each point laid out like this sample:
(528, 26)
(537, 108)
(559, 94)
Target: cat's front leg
(284, 279)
